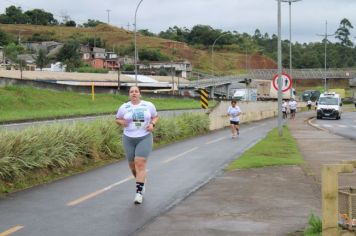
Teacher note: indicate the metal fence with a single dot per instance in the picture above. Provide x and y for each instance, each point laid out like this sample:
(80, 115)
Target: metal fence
(347, 208)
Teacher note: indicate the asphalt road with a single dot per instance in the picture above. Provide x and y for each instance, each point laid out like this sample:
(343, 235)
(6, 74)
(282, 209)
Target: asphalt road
(345, 127)
(100, 202)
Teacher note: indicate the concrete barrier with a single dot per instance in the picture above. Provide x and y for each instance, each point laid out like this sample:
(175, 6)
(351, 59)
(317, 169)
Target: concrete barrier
(251, 111)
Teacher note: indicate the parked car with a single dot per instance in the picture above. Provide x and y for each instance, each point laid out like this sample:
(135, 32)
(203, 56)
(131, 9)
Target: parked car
(312, 95)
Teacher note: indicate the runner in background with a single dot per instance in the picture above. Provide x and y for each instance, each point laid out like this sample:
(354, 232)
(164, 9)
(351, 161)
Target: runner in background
(234, 113)
(284, 109)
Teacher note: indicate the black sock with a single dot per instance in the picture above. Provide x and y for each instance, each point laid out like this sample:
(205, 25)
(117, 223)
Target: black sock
(139, 187)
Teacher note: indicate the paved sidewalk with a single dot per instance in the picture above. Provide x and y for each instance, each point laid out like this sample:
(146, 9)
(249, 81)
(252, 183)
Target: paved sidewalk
(266, 201)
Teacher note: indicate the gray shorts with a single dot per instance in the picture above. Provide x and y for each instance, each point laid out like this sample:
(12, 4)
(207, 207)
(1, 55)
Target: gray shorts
(137, 147)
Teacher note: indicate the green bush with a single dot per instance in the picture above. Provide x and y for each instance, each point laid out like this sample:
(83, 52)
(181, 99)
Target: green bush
(86, 69)
(315, 226)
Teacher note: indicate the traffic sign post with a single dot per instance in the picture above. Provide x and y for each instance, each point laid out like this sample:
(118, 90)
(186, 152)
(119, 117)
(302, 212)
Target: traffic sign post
(286, 82)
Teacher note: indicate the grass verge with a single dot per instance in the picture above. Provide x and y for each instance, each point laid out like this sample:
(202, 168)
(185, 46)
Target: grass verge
(19, 103)
(270, 151)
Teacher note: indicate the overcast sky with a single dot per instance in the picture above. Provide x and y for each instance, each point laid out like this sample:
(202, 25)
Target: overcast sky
(308, 16)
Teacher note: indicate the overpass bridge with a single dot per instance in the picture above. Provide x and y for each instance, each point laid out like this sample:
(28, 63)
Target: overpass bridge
(223, 84)
(316, 73)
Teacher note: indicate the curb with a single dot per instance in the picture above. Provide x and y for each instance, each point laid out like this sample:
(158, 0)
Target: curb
(309, 121)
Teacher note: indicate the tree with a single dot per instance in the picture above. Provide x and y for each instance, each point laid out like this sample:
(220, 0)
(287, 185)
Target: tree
(145, 32)
(70, 23)
(343, 33)
(13, 15)
(5, 38)
(69, 55)
(40, 17)
(94, 42)
(41, 59)
(12, 52)
(92, 23)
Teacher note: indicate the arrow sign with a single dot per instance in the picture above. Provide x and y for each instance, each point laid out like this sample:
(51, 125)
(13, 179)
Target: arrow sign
(286, 82)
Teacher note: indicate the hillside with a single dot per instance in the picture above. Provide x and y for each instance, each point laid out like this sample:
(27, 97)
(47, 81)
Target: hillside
(225, 62)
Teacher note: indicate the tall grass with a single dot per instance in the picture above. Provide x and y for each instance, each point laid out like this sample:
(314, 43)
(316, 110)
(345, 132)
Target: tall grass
(59, 148)
(315, 226)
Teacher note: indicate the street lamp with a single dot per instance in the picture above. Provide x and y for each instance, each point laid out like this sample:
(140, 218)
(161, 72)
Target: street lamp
(212, 53)
(108, 16)
(135, 42)
(325, 42)
(290, 38)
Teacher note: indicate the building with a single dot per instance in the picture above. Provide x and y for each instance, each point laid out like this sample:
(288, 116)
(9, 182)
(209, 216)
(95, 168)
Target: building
(99, 58)
(182, 68)
(111, 61)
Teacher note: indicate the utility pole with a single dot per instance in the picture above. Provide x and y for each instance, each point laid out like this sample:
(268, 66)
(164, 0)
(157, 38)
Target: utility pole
(172, 77)
(118, 75)
(326, 35)
(279, 44)
(108, 16)
(290, 39)
(128, 26)
(135, 41)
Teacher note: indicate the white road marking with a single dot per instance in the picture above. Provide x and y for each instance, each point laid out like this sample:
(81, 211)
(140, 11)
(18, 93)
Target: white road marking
(98, 192)
(12, 230)
(180, 155)
(341, 126)
(216, 140)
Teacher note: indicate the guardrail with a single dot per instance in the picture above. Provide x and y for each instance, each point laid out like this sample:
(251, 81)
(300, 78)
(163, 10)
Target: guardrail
(206, 80)
(316, 73)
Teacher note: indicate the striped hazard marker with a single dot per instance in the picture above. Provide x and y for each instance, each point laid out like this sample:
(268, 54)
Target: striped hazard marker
(204, 102)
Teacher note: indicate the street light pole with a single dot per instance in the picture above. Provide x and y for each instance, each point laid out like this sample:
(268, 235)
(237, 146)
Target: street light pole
(290, 39)
(135, 42)
(326, 35)
(279, 71)
(212, 63)
(212, 54)
(108, 16)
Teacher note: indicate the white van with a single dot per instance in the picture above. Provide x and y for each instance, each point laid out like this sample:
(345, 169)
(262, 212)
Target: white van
(329, 106)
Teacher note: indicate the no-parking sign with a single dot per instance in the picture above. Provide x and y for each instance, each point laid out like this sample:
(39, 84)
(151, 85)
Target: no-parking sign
(286, 82)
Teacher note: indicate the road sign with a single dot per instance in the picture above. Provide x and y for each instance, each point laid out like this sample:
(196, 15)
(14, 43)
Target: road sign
(286, 82)
(204, 102)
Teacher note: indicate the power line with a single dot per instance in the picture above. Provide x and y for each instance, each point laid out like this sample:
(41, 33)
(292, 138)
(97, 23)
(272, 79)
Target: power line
(326, 35)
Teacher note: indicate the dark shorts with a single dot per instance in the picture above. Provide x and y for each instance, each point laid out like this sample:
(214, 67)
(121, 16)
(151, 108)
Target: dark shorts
(137, 147)
(292, 111)
(234, 122)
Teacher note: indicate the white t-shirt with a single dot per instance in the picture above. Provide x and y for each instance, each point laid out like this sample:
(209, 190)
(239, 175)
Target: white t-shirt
(284, 106)
(233, 112)
(137, 116)
(293, 105)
